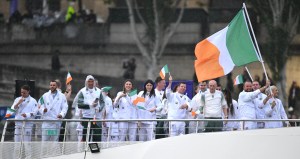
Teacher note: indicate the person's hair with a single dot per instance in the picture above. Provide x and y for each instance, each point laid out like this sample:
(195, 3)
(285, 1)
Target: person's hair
(228, 99)
(268, 90)
(127, 80)
(158, 79)
(152, 92)
(58, 83)
(25, 87)
(246, 82)
(53, 81)
(175, 88)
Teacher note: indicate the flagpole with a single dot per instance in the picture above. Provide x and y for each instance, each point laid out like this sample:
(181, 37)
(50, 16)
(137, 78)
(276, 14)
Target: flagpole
(254, 37)
(249, 73)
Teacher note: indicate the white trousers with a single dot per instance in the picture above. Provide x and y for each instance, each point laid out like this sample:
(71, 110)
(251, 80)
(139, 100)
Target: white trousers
(146, 132)
(177, 128)
(50, 131)
(26, 134)
(127, 129)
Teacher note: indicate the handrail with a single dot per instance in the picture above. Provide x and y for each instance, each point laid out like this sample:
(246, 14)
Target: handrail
(128, 120)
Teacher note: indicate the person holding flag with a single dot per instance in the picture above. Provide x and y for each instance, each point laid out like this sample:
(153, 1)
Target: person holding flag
(68, 91)
(126, 110)
(88, 104)
(53, 105)
(195, 103)
(151, 102)
(246, 103)
(179, 105)
(26, 108)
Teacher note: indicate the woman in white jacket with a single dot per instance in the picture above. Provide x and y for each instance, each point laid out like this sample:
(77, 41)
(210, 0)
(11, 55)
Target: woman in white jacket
(146, 128)
(126, 110)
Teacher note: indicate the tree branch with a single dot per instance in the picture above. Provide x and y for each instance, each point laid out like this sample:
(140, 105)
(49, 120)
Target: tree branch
(139, 14)
(140, 45)
(157, 30)
(170, 31)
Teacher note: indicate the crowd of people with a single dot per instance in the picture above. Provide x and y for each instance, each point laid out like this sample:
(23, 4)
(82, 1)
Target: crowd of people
(38, 19)
(160, 102)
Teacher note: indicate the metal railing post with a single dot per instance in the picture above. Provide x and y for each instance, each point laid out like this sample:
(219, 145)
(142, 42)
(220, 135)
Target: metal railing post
(87, 137)
(65, 133)
(4, 131)
(22, 139)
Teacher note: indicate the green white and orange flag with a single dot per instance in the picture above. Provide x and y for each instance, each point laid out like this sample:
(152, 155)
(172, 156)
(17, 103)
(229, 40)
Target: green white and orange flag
(10, 113)
(140, 103)
(133, 95)
(163, 71)
(238, 80)
(232, 46)
(69, 78)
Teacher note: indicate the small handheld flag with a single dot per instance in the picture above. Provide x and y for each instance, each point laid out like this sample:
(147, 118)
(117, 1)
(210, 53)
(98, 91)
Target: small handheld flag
(140, 103)
(238, 80)
(10, 113)
(69, 78)
(163, 71)
(133, 95)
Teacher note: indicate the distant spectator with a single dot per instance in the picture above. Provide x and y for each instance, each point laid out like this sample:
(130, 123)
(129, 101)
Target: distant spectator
(129, 67)
(16, 17)
(70, 16)
(55, 63)
(92, 18)
(2, 20)
(82, 17)
(293, 95)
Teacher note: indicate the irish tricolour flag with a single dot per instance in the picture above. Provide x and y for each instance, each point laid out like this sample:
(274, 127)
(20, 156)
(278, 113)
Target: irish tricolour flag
(232, 46)
(163, 71)
(140, 103)
(69, 78)
(238, 80)
(10, 113)
(133, 95)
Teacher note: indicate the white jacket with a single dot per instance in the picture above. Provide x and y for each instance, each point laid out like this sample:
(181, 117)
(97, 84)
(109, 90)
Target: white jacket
(55, 106)
(277, 112)
(150, 103)
(125, 107)
(28, 106)
(246, 104)
(175, 100)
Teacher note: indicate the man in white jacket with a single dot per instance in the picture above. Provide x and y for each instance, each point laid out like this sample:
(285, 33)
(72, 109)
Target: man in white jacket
(26, 108)
(274, 109)
(179, 104)
(90, 105)
(53, 106)
(195, 103)
(247, 103)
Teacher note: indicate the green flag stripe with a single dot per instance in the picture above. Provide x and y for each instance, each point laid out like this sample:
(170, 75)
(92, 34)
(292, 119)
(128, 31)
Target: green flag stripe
(132, 93)
(11, 110)
(239, 42)
(166, 69)
(240, 78)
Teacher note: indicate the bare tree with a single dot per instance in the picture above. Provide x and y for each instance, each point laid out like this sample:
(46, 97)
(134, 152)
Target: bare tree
(281, 18)
(157, 21)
